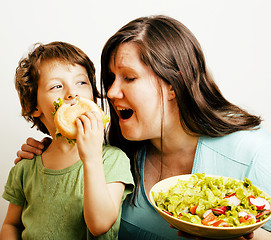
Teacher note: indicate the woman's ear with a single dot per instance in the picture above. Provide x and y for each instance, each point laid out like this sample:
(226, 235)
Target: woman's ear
(171, 93)
(36, 113)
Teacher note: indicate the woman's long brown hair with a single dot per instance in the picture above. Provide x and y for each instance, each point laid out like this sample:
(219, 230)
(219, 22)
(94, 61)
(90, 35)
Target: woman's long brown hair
(173, 53)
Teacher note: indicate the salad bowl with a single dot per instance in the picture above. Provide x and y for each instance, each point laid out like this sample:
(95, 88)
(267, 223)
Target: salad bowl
(164, 192)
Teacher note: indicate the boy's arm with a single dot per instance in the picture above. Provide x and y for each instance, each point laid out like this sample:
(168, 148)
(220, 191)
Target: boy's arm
(101, 201)
(12, 225)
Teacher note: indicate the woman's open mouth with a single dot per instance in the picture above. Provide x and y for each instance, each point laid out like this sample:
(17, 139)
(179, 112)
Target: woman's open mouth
(125, 113)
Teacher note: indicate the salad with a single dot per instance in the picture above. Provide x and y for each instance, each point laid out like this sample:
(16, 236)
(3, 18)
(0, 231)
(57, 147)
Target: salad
(214, 201)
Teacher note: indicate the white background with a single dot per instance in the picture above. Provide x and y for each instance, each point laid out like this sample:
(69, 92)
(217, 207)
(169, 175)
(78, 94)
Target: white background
(235, 36)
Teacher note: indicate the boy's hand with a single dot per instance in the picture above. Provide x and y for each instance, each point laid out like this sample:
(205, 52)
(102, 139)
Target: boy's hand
(90, 136)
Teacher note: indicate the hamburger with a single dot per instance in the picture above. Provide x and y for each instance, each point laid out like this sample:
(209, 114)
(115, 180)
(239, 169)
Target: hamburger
(65, 115)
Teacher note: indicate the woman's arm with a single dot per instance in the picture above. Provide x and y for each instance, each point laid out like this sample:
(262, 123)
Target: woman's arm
(12, 225)
(32, 147)
(261, 234)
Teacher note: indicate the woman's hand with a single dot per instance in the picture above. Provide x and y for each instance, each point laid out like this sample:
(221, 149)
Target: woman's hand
(183, 234)
(32, 147)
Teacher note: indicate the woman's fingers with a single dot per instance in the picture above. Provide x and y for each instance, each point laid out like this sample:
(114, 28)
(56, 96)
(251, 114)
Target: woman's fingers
(33, 143)
(249, 236)
(32, 147)
(183, 234)
(26, 149)
(23, 154)
(46, 142)
(18, 159)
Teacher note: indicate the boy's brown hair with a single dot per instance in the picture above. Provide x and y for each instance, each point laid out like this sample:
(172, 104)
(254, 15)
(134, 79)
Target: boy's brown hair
(27, 74)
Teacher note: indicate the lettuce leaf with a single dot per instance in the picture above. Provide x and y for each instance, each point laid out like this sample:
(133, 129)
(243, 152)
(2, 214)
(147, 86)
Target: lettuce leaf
(57, 105)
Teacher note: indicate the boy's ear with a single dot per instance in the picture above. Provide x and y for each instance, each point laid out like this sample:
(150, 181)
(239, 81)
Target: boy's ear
(36, 113)
(171, 93)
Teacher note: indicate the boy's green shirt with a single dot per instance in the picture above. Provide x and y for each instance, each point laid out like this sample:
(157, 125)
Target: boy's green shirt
(52, 200)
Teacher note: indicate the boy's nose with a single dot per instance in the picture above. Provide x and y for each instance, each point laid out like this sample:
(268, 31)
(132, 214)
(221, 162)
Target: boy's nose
(70, 96)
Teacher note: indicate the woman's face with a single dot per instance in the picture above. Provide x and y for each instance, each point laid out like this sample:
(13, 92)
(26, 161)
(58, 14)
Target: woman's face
(136, 95)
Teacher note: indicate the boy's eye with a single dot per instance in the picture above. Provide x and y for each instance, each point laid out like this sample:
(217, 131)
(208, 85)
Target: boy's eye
(82, 83)
(56, 86)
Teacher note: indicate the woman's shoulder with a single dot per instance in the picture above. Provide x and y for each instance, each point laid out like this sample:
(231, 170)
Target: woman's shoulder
(242, 144)
(253, 137)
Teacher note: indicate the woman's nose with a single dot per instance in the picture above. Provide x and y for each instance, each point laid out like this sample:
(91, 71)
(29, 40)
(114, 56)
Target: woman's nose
(115, 90)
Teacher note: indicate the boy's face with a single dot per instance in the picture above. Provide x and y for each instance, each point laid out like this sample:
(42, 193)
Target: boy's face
(59, 80)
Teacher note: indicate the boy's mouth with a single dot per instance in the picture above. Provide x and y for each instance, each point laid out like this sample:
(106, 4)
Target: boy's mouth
(125, 113)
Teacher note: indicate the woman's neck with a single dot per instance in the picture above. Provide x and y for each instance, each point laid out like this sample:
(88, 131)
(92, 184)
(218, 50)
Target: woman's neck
(176, 140)
(60, 154)
(176, 152)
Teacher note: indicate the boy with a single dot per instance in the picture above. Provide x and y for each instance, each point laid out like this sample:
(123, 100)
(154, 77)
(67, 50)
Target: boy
(68, 192)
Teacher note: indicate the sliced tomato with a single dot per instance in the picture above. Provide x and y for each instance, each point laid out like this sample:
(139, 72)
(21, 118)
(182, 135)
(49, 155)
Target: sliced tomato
(242, 219)
(220, 223)
(208, 219)
(193, 209)
(247, 218)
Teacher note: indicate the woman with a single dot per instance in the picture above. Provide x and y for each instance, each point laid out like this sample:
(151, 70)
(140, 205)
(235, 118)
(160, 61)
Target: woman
(170, 118)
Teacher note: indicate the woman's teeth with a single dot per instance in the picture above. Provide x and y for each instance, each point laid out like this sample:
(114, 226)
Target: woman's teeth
(120, 109)
(125, 113)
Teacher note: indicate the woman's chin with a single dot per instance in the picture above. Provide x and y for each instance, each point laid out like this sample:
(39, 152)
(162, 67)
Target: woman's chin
(130, 135)
(134, 136)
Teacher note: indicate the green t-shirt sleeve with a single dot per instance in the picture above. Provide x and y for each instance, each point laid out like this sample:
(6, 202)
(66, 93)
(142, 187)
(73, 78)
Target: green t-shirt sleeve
(14, 189)
(117, 168)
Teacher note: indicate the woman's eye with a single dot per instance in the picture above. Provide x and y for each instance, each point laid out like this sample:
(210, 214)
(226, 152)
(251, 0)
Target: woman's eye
(111, 78)
(130, 79)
